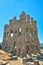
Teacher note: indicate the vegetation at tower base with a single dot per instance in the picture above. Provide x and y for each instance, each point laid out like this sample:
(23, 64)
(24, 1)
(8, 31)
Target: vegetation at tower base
(20, 36)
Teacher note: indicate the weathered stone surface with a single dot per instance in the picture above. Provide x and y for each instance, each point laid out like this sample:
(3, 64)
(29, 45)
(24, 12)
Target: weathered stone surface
(21, 35)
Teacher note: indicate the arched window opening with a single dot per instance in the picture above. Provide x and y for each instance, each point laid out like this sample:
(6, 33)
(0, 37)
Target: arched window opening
(11, 33)
(30, 34)
(8, 34)
(20, 30)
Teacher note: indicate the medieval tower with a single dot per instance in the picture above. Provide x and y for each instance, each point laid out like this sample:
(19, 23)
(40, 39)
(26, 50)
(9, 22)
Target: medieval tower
(21, 36)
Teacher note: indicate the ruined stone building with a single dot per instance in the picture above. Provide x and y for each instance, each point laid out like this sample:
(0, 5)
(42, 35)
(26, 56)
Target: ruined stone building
(21, 36)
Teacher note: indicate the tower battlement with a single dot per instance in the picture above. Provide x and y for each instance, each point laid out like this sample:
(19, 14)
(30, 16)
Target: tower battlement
(21, 36)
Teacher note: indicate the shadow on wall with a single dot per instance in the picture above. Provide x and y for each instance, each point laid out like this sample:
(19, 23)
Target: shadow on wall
(0, 45)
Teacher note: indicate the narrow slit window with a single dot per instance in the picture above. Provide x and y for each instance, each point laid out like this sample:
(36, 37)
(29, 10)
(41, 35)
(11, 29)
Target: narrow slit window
(8, 34)
(11, 33)
(20, 30)
(30, 34)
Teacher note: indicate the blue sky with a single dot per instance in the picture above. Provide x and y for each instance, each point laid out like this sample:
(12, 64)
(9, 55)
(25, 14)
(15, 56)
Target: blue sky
(11, 8)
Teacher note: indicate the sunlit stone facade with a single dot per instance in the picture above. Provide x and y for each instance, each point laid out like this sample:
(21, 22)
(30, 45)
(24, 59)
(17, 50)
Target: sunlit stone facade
(20, 36)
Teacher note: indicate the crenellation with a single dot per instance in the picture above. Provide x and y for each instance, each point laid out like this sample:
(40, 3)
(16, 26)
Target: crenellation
(6, 26)
(28, 18)
(21, 36)
(14, 18)
(23, 16)
(10, 22)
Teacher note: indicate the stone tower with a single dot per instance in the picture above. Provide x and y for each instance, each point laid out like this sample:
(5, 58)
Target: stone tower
(20, 36)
